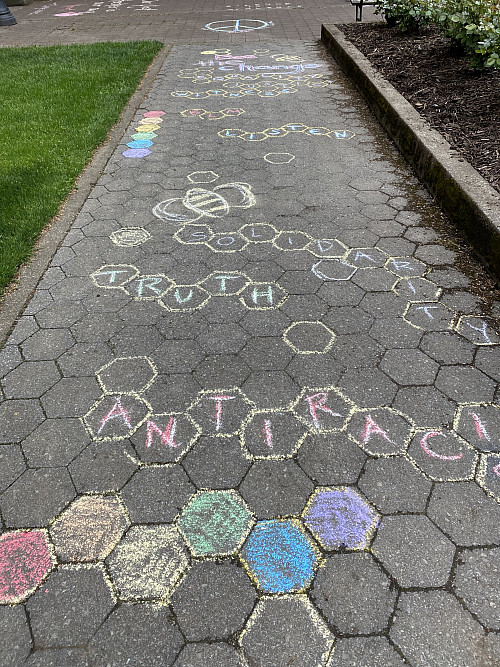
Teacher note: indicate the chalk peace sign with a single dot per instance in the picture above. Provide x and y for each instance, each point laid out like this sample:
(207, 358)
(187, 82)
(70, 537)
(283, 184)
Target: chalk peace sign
(245, 25)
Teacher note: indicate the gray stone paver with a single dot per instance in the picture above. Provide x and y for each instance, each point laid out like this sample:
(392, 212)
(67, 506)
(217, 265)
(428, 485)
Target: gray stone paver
(257, 318)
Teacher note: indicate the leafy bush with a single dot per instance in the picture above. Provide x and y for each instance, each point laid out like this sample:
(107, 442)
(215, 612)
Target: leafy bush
(474, 24)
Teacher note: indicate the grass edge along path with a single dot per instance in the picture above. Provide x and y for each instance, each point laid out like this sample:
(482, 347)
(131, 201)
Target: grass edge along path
(57, 106)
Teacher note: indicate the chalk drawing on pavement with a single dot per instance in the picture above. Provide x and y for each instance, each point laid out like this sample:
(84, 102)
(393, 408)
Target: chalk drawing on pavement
(211, 115)
(238, 25)
(279, 158)
(128, 237)
(283, 131)
(309, 337)
(141, 140)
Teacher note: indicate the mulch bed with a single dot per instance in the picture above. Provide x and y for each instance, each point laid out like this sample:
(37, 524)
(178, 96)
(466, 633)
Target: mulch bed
(463, 104)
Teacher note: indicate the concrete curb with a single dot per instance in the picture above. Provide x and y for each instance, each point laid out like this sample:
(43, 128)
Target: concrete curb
(30, 274)
(464, 195)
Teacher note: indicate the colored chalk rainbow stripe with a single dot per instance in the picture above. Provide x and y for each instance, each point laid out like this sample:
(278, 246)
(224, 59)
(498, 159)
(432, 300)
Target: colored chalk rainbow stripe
(142, 139)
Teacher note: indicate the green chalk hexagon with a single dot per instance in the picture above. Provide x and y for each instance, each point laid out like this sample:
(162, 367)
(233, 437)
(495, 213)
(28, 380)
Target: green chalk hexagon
(215, 523)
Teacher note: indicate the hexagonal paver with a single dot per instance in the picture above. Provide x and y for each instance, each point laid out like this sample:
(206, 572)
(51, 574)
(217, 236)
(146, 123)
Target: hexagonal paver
(276, 488)
(215, 523)
(16, 641)
(417, 289)
(406, 267)
(465, 514)
(394, 485)
(260, 232)
(414, 551)
(409, 367)
(127, 374)
(309, 337)
(263, 296)
(475, 582)
(323, 410)
(114, 275)
(273, 434)
(354, 594)
(31, 379)
(430, 316)
(266, 353)
(222, 595)
(89, 528)
(70, 606)
(364, 258)
(53, 490)
(465, 385)
(333, 269)
(18, 418)
(126, 635)
(279, 556)
(286, 630)
(199, 654)
(328, 248)
(480, 425)
(227, 242)
(150, 287)
(202, 177)
(292, 240)
(193, 234)
(488, 474)
(115, 417)
(381, 432)
(25, 561)
(443, 456)
(104, 466)
(340, 519)
(220, 413)
(165, 438)
(353, 651)
(367, 387)
(55, 442)
(148, 562)
(184, 298)
(331, 458)
(225, 283)
(419, 631)
(479, 330)
(157, 493)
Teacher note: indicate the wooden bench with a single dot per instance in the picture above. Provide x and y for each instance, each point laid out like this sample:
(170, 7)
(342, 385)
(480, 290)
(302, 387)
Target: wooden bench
(359, 4)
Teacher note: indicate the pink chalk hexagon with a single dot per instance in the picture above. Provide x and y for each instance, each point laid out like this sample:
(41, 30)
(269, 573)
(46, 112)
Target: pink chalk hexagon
(25, 561)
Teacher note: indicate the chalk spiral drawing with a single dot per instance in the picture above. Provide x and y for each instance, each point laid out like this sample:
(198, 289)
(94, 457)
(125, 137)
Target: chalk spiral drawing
(279, 132)
(128, 237)
(200, 203)
(142, 139)
(239, 25)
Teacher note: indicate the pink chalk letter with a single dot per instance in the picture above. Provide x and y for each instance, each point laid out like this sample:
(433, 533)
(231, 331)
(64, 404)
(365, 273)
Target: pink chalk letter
(424, 443)
(317, 403)
(116, 412)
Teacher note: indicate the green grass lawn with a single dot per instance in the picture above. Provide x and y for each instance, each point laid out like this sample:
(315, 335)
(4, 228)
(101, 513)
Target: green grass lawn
(56, 106)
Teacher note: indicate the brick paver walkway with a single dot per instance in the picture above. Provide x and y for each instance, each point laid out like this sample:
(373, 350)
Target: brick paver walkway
(250, 416)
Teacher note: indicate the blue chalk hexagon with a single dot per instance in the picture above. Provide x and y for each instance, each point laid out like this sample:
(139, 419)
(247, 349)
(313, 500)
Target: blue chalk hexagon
(280, 557)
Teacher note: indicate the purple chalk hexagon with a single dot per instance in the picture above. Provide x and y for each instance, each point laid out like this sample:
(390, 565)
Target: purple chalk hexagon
(136, 152)
(340, 519)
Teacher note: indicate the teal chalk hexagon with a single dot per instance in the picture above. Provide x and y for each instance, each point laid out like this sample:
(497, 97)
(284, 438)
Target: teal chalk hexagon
(215, 523)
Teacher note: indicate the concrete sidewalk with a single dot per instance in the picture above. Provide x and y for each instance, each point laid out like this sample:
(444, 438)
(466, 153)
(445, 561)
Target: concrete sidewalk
(250, 415)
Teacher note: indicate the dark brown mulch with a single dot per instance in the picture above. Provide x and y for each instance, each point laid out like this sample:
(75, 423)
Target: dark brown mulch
(463, 104)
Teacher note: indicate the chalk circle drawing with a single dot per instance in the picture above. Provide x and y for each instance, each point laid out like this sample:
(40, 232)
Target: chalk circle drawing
(238, 25)
(339, 518)
(279, 158)
(309, 337)
(202, 177)
(211, 115)
(280, 557)
(128, 237)
(201, 203)
(283, 131)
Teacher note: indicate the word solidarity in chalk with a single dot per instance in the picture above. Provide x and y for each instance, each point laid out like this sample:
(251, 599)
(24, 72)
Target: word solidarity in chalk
(280, 132)
(211, 115)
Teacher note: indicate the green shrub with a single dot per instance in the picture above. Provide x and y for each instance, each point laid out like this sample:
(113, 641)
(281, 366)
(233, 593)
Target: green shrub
(474, 24)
